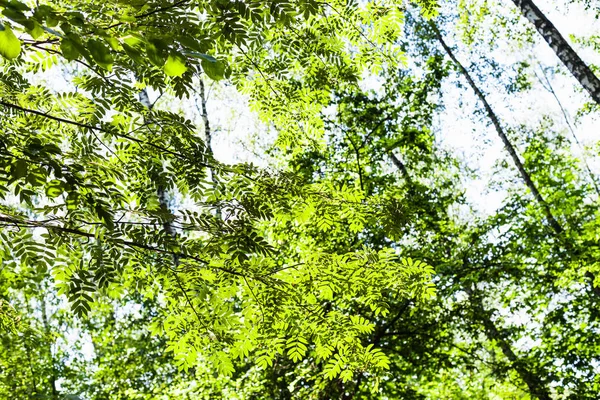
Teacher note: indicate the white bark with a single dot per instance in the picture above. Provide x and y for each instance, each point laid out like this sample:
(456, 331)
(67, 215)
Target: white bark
(561, 47)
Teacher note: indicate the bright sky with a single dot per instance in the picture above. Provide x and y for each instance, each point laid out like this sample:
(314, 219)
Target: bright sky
(480, 144)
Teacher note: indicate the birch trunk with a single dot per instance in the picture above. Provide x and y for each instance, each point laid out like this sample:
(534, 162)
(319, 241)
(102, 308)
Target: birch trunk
(561, 47)
(553, 222)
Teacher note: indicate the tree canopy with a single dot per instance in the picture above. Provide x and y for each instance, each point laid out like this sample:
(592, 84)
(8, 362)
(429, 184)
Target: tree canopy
(365, 255)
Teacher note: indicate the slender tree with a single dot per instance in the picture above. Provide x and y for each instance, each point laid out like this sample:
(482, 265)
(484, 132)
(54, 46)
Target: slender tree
(569, 57)
(554, 224)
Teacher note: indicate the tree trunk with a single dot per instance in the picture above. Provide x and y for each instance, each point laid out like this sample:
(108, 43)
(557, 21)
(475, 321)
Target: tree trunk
(561, 47)
(208, 139)
(500, 131)
(536, 387)
(534, 382)
(400, 165)
(556, 227)
(47, 331)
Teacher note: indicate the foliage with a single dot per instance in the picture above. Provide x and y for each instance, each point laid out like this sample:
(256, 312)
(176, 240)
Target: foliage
(137, 265)
(92, 182)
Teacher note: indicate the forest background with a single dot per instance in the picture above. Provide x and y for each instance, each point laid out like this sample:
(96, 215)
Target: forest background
(299, 199)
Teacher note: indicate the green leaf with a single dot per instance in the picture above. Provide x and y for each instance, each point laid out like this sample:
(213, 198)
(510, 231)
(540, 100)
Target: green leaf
(34, 29)
(66, 27)
(10, 46)
(15, 15)
(54, 188)
(113, 43)
(19, 169)
(125, 17)
(175, 65)
(51, 21)
(155, 50)
(214, 69)
(17, 5)
(134, 41)
(76, 42)
(191, 43)
(134, 48)
(133, 53)
(76, 18)
(69, 49)
(105, 216)
(100, 53)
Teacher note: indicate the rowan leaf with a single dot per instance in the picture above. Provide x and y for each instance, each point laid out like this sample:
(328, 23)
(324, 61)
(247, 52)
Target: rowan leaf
(10, 46)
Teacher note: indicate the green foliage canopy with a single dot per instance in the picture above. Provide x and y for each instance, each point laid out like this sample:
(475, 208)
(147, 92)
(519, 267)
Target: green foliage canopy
(92, 179)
